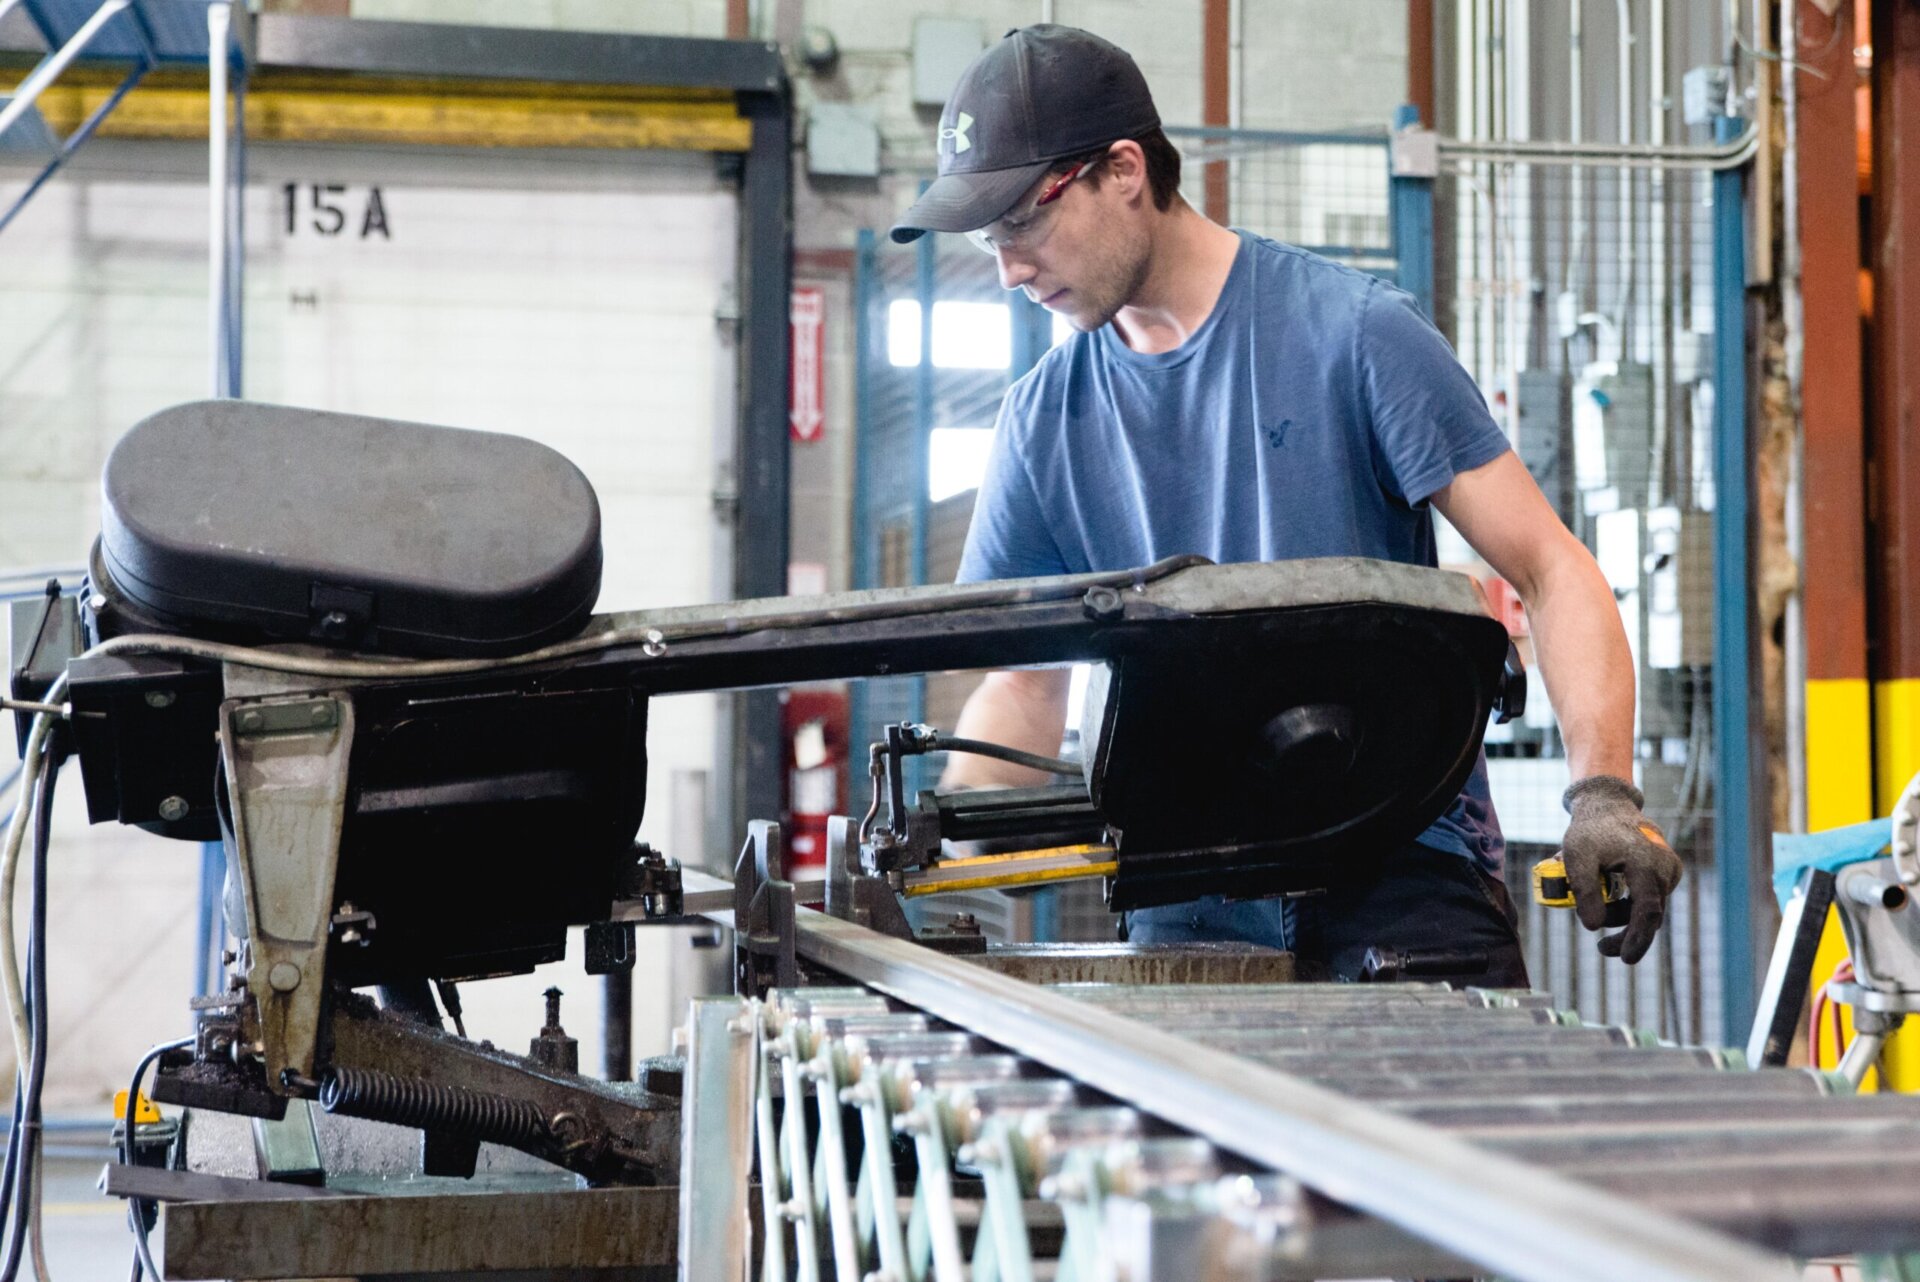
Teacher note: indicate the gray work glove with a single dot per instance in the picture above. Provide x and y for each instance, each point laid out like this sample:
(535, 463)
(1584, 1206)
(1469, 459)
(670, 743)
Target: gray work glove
(1610, 837)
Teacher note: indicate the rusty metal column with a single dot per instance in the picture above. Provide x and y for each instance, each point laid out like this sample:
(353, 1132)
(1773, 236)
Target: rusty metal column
(1895, 441)
(1216, 95)
(1839, 722)
(1894, 437)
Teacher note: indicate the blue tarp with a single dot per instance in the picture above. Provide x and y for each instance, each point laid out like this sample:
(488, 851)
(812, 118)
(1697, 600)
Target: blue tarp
(1830, 851)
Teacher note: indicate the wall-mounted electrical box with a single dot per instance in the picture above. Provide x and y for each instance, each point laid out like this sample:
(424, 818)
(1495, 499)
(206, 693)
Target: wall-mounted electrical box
(942, 48)
(1613, 445)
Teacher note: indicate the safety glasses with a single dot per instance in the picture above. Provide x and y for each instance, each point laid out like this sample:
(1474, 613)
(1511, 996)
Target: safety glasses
(1025, 230)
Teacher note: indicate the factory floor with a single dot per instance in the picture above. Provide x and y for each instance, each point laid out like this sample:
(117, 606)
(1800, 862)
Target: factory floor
(86, 1232)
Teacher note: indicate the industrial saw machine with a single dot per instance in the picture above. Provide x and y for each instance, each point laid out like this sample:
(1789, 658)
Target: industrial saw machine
(361, 654)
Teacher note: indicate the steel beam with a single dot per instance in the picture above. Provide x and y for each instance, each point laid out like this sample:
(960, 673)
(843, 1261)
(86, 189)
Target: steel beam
(1833, 485)
(1510, 1218)
(1894, 506)
(583, 1232)
(761, 450)
(438, 51)
(1743, 843)
(56, 62)
(717, 1142)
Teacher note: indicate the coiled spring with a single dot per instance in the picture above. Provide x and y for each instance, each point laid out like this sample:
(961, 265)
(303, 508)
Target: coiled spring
(451, 1110)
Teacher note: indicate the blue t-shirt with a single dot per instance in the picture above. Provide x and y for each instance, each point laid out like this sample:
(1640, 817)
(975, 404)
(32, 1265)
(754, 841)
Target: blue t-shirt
(1313, 413)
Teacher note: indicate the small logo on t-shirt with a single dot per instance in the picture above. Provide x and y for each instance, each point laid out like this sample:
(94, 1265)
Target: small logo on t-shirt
(1276, 434)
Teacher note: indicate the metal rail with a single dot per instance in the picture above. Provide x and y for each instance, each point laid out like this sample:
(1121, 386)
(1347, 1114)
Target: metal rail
(1730, 154)
(1508, 1217)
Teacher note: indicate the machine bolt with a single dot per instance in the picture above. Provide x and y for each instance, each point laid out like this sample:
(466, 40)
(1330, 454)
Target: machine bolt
(1103, 604)
(252, 720)
(284, 977)
(321, 714)
(160, 698)
(173, 808)
(97, 602)
(656, 644)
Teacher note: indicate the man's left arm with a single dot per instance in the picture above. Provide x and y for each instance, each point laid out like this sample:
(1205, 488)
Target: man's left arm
(1583, 658)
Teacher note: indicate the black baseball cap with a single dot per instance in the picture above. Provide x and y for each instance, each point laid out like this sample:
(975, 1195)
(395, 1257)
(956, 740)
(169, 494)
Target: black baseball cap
(1043, 93)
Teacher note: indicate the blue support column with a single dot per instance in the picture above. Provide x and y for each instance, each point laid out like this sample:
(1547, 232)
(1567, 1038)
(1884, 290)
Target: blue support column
(1032, 334)
(1410, 213)
(1742, 841)
(925, 290)
(210, 930)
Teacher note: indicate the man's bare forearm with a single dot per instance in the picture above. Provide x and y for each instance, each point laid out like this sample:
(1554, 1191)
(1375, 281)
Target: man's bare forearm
(1023, 709)
(1582, 654)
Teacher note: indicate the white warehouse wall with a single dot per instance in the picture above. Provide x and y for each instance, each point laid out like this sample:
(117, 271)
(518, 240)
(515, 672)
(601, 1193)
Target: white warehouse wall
(570, 298)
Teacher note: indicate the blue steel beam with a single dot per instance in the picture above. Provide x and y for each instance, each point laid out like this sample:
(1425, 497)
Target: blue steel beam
(1742, 833)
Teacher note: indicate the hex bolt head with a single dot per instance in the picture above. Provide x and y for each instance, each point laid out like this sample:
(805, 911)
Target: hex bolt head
(173, 808)
(1103, 604)
(160, 698)
(321, 714)
(284, 977)
(97, 602)
(252, 720)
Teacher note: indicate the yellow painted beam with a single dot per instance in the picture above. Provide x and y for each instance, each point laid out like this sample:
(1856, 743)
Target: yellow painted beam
(1851, 730)
(336, 115)
(1896, 739)
(1832, 727)
(1839, 754)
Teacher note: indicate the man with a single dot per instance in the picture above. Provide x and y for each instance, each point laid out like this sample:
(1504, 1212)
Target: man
(1245, 400)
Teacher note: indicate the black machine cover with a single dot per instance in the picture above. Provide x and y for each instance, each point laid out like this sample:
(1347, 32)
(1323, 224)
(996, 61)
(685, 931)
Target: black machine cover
(253, 522)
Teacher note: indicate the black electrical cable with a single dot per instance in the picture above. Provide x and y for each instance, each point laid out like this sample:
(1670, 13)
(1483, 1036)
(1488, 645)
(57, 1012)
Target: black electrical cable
(137, 1207)
(938, 742)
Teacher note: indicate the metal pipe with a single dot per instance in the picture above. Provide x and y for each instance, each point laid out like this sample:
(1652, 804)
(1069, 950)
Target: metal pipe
(1623, 96)
(1483, 1059)
(1489, 1114)
(616, 1023)
(1576, 136)
(1583, 1149)
(1720, 156)
(1502, 1215)
(219, 28)
(1793, 325)
(1368, 1037)
(1872, 892)
(1862, 1053)
(50, 67)
(1656, 1078)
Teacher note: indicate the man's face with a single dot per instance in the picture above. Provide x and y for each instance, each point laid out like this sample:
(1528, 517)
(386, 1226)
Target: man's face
(1082, 255)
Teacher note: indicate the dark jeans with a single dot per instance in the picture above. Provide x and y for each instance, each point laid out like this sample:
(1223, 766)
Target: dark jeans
(1421, 899)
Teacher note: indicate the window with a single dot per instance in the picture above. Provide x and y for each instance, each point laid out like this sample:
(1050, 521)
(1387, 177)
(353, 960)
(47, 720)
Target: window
(956, 459)
(965, 335)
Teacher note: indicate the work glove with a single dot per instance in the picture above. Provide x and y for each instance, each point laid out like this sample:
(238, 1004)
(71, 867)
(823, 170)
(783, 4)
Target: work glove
(1610, 837)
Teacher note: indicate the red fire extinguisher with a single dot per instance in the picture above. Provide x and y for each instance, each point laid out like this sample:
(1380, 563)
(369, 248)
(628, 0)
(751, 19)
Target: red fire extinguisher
(815, 723)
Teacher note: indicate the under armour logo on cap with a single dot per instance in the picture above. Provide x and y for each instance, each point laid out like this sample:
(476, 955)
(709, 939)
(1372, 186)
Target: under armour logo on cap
(958, 134)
